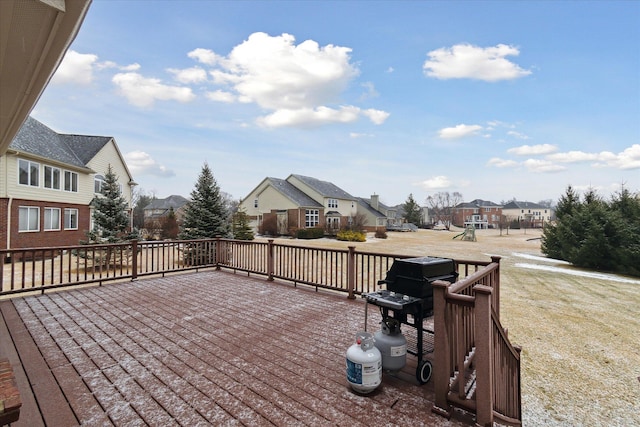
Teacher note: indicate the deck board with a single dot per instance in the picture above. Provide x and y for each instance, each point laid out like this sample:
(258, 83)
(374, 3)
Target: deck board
(207, 348)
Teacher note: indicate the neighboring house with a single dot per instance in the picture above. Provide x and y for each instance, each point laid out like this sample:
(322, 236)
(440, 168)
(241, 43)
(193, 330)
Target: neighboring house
(305, 202)
(47, 182)
(375, 214)
(160, 208)
(477, 213)
(533, 214)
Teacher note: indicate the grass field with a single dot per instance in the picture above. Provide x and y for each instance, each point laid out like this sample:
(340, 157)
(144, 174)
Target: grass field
(580, 330)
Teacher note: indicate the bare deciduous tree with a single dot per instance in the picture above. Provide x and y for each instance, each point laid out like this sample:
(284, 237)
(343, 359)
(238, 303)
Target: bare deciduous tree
(441, 205)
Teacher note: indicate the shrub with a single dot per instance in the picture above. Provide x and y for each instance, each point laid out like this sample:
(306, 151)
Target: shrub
(381, 234)
(351, 236)
(310, 233)
(269, 226)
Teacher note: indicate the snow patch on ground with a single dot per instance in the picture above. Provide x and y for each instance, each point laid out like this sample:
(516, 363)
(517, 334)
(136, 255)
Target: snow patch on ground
(580, 273)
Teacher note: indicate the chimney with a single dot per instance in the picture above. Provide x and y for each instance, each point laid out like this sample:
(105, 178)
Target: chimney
(375, 202)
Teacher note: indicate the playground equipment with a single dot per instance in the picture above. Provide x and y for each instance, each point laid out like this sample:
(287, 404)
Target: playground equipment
(469, 234)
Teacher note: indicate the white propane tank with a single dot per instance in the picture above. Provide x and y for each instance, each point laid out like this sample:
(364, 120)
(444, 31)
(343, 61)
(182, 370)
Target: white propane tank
(364, 364)
(392, 345)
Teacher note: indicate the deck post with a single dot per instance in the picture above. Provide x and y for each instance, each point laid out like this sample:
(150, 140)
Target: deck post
(270, 260)
(484, 355)
(351, 272)
(217, 251)
(134, 259)
(496, 285)
(441, 362)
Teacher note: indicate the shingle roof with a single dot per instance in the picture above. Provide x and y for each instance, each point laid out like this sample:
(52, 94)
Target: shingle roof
(366, 203)
(76, 150)
(477, 203)
(523, 205)
(326, 189)
(173, 201)
(293, 193)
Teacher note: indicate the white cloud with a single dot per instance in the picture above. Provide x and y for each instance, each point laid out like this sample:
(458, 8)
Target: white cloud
(189, 75)
(221, 96)
(572, 157)
(517, 134)
(205, 56)
(76, 68)
(436, 183)
(629, 158)
(143, 91)
(376, 116)
(473, 62)
(459, 131)
(542, 166)
(370, 91)
(533, 150)
(502, 163)
(141, 163)
(307, 117)
(300, 84)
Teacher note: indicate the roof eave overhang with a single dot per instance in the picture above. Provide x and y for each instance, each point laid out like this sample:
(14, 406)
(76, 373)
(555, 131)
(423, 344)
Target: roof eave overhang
(35, 35)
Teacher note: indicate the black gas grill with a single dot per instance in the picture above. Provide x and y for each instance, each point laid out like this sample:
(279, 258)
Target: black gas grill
(414, 277)
(408, 298)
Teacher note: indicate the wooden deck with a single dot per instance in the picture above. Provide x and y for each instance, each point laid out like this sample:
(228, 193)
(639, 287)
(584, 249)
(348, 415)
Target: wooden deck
(208, 348)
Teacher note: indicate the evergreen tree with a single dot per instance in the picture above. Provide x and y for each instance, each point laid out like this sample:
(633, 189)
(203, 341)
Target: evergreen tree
(596, 234)
(109, 212)
(206, 215)
(241, 228)
(412, 211)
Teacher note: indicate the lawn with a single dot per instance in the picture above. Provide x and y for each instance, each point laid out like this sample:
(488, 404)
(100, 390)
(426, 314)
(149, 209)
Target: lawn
(580, 330)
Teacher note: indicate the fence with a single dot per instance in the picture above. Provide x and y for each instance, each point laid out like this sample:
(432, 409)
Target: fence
(477, 367)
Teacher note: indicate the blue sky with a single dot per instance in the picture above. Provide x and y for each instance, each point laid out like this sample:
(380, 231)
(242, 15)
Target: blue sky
(493, 100)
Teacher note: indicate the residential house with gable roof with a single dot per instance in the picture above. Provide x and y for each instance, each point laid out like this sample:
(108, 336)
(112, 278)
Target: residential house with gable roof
(47, 182)
(303, 202)
(534, 215)
(477, 213)
(160, 208)
(156, 212)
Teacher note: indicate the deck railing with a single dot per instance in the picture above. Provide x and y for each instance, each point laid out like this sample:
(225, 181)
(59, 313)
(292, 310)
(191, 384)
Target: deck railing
(477, 368)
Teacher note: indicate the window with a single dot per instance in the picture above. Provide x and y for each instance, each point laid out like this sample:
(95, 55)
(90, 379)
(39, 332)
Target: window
(70, 181)
(98, 183)
(51, 218)
(71, 219)
(29, 173)
(332, 203)
(29, 218)
(51, 177)
(312, 218)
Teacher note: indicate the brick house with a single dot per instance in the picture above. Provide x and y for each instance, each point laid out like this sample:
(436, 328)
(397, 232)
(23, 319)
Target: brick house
(305, 202)
(478, 213)
(47, 182)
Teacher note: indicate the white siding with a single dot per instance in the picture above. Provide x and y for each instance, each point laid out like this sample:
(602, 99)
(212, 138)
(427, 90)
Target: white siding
(11, 188)
(109, 155)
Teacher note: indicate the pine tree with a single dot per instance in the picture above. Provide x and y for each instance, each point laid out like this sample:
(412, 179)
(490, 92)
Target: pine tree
(206, 214)
(241, 228)
(412, 211)
(109, 212)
